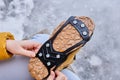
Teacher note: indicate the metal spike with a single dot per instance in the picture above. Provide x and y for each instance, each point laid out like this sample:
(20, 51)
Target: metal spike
(75, 22)
(58, 56)
(40, 54)
(47, 55)
(47, 44)
(84, 33)
(48, 63)
(82, 25)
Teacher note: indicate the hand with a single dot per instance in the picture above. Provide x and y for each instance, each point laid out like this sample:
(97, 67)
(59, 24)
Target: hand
(24, 47)
(57, 75)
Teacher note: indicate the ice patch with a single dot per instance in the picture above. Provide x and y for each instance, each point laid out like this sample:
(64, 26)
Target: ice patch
(1, 3)
(2, 7)
(95, 60)
(20, 7)
(13, 19)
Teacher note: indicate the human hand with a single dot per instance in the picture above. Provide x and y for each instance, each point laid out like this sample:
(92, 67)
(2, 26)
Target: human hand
(57, 75)
(25, 47)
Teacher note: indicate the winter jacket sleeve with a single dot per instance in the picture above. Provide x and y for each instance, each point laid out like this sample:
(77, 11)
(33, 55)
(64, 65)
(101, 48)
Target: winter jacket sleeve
(4, 54)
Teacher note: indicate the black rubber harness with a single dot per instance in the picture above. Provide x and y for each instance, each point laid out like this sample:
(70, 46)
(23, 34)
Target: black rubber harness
(51, 58)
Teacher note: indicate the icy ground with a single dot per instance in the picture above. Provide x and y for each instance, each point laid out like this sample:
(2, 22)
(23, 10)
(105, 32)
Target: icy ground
(100, 58)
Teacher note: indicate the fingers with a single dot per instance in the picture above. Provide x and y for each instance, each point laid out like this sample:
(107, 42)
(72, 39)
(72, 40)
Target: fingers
(26, 48)
(28, 44)
(29, 48)
(37, 48)
(27, 53)
(60, 76)
(57, 75)
(52, 76)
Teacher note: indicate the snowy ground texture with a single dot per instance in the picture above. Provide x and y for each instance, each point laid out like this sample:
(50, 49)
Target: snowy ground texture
(100, 58)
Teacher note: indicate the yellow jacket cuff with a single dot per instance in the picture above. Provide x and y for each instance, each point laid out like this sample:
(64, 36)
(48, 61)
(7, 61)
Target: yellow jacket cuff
(4, 54)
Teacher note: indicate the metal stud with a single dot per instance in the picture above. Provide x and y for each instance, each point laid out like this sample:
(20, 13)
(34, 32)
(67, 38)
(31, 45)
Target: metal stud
(47, 55)
(58, 56)
(75, 22)
(82, 25)
(84, 33)
(48, 63)
(47, 44)
(40, 54)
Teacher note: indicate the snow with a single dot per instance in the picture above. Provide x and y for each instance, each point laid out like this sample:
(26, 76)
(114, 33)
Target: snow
(99, 58)
(2, 3)
(13, 19)
(95, 61)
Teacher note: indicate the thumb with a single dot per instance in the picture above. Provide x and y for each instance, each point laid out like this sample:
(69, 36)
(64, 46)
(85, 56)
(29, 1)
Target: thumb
(27, 53)
(52, 76)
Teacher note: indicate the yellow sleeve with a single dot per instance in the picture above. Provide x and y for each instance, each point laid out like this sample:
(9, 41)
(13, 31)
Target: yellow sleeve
(3, 52)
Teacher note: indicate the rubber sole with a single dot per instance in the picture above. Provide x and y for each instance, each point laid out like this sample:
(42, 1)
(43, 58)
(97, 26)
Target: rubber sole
(65, 39)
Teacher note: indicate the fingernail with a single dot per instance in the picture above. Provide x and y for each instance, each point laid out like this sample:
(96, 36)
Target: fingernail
(32, 55)
(52, 73)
